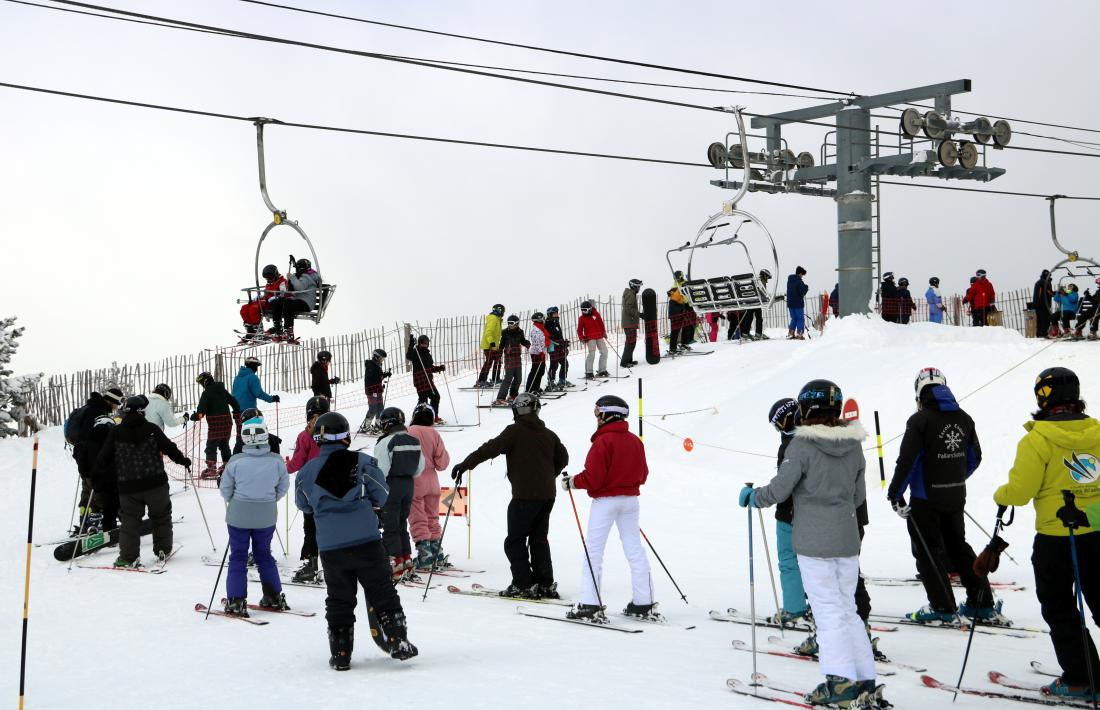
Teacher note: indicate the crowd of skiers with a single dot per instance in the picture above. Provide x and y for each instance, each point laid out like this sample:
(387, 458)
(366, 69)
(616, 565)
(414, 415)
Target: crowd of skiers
(1064, 311)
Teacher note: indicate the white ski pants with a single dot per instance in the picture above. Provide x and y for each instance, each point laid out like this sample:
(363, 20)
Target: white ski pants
(843, 647)
(621, 511)
(593, 345)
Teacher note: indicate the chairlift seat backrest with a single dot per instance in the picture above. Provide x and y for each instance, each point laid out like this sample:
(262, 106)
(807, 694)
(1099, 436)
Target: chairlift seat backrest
(723, 293)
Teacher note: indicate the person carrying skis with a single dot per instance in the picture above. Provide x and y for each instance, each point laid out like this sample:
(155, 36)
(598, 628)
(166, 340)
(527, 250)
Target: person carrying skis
(614, 472)
(246, 385)
(747, 316)
(796, 304)
(217, 406)
(511, 344)
(939, 452)
(342, 489)
(423, 367)
(133, 450)
(559, 352)
(905, 303)
(252, 485)
(823, 471)
(424, 513)
(1068, 300)
(535, 456)
(934, 299)
(784, 416)
(630, 321)
(300, 297)
(490, 345)
(981, 299)
(252, 313)
(1058, 457)
(373, 387)
(401, 461)
(320, 382)
(593, 335)
(1041, 296)
(888, 298)
(539, 338)
(305, 450)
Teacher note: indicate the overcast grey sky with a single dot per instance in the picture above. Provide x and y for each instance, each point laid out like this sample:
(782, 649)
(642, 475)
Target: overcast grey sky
(128, 232)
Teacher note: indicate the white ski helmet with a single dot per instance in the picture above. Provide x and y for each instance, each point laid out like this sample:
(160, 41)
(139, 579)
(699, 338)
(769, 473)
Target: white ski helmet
(254, 433)
(926, 377)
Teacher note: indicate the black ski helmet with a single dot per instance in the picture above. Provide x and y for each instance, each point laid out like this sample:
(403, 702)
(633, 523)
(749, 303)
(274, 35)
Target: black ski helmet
(423, 339)
(251, 413)
(423, 414)
(799, 271)
(934, 282)
(611, 408)
(903, 282)
(252, 362)
(552, 311)
(820, 397)
(303, 265)
(135, 404)
(784, 415)
(163, 390)
(332, 427)
(635, 284)
(525, 403)
(390, 417)
(270, 272)
(765, 275)
(324, 356)
(538, 317)
(378, 354)
(586, 306)
(498, 309)
(513, 319)
(888, 276)
(204, 378)
(317, 405)
(980, 273)
(1057, 385)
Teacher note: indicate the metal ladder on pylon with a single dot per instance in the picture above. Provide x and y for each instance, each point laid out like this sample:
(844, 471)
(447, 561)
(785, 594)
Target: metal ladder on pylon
(876, 227)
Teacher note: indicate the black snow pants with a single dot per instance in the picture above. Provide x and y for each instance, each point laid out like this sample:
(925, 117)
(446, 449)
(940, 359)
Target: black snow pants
(944, 532)
(528, 525)
(1054, 586)
(395, 516)
(363, 564)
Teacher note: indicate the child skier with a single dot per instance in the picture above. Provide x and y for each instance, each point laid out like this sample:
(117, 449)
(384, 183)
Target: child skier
(320, 382)
(784, 416)
(423, 368)
(614, 471)
(373, 377)
(305, 450)
(935, 300)
(217, 406)
(1088, 313)
(511, 342)
(159, 410)
(539, 338)
(401, 460)
(247, 387)
(349, 540)
(593, 334)
(905, 304)
(1056, 457)
(424, 514)
(252, 313)
(252, 485)
(559, 352)
(254, 414)
(823, 471)
(490, 345)
(534, 456)
(1067, 299)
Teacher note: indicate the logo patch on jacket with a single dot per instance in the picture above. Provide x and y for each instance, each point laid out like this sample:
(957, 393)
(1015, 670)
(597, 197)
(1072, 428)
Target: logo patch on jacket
(1082, 467)
(953, 437)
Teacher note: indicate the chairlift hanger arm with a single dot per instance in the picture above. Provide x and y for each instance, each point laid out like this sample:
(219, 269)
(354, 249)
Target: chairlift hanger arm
(259, 122)
(1054, 231)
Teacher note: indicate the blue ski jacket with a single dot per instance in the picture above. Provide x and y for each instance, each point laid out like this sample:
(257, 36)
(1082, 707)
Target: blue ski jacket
(796, 292)
(247, 388)
(341, 489)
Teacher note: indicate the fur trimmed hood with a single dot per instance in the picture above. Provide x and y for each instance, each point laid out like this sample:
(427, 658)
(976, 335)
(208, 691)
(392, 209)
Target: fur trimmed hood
(833, 440)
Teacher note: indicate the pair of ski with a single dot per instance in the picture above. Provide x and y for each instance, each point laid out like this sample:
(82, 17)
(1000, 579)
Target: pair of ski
(1020, 632)
(763, 688)
(787, 652)
(202, 609)
(157, 567)
(735, 617)
(1032, 692)
(915, 582)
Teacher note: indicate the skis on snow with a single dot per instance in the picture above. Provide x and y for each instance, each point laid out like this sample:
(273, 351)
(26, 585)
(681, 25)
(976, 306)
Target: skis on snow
(476, 590)
(201, 608)
(739, 645)
(1031, 695)
(524, 611)
(915, 582)
(273, 610)
(157, 568)
(735, 617)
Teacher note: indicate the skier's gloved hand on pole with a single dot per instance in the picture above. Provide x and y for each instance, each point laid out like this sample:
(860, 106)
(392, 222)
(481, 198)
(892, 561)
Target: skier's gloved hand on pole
(567, 482)
(456, 474)
(334, 381)
(275, 399)
(747, 497)
(386, 374)
(187, 464)
(1070, 515)
(900, 507)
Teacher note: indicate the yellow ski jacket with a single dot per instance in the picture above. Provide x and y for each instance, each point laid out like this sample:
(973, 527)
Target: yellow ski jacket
(490, 335)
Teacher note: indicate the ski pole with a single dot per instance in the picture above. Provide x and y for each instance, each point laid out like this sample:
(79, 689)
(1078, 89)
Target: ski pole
(771, 571)
(878, 440)
(646, 538)
(83, 524)
(931, 560)
(752, 595)
(217, 581)
(1068, 497)
(1005, 553)
(76, 499)
(969, 641)
(577, 517)
(442, 535)
(198, 498)
(335, 391)
(27, 576)
(280, 539)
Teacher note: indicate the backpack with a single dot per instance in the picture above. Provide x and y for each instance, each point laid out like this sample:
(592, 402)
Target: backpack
(75, 433)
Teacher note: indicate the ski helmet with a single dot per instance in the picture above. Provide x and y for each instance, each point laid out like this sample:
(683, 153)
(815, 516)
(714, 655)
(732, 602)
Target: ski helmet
(137, 403)
(331, 427)
(271, 272)
(820, 397)
(586, 306)
(980, 273)
(799, 271)
(251, 413)
(204, 378)
(635, 284)
(379, 354)
(163, 390)
(551, 311)
(316, 405)
(114, 396)
(934, 282)
(538, 317)
(498, 309)
(973, 279)
(513, 319)
(419, 412)
(611, 408)
(104, 420)
(423, 339)
(525, 403)
(390, 417)
(784, 415)
(254, 433)
(927, 377)
(252, 362)
(1057, 385)
(903, 282)
(888, 276)
(324, 356)
(303, 265)
(765, 275)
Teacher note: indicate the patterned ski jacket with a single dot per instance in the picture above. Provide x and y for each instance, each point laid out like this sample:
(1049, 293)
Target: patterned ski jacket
(133, 449)
(341, 489)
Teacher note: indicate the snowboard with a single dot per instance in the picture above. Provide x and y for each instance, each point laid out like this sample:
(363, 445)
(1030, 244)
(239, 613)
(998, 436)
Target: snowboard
(91, 543)
(649, 318)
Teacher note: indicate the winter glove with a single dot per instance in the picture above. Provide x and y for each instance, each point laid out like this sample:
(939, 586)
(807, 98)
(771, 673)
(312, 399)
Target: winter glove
(899, 506)
(492, 346)
(747, 497)
(275, 399)
(990, 558)
(187, 464)
(334, 381)
(196, 417)
(567, 482)
(456, 474)
(1072, 517)
(386, 374)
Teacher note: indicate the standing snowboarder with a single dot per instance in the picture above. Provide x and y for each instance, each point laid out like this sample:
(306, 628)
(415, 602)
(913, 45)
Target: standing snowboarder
(305, 450)
(630, 320)
(614, 472)
(401, 460)
(88, 435)
(423, 367)
(490, 345)
(593, 335)
(559, 352)
(320, 382)
(373, 387)
(512, 343)
(535, 456)
(342, 489)
(796, 304)
(424, 514)
(935, 300)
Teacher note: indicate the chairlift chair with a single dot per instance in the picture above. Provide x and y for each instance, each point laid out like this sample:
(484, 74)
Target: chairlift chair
(1074, 265)
(728, 292)
(278, 219)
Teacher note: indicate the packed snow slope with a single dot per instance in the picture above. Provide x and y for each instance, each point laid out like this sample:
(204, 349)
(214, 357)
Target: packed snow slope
(102, 639)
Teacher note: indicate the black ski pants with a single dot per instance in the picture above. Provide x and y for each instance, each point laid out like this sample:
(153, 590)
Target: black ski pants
(747, 318)
(395, 516)
(534, 377)
(863, 599)
(978, 317)
(528, 526)
(363, 564)
(492, 361)
(213, 446)
(509, 386)
(563, 363)
(107, 500)
(309, 541)
(284, 310)
(631, 339)
(1054, 586)
(1042, 321)
(944, 531)
(132, 508)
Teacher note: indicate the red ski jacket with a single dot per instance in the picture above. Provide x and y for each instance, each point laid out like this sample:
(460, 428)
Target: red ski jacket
(590, 327)
(615, 465)
(981, 294)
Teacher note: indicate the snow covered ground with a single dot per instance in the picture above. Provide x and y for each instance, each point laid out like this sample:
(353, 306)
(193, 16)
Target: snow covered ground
(102, 639)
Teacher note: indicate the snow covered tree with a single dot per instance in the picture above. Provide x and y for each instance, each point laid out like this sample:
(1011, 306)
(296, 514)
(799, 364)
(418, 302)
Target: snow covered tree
(14, 391)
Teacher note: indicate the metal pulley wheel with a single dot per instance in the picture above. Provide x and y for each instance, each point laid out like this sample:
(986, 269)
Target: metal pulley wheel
(935, 125)
(968, 154)
(787, 158)
(948, 154)
(1002, 133)
(911, 122)
(717, 155)
(736, 156)
(805, 159)
(983, 129)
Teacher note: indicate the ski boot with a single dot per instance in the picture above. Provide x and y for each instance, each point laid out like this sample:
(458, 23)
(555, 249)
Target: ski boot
(990, 615)
(547, 591)
(790, 333)
(603, 373)
(761, 336)
(808, 647)
(308, 573)
(238, 606)
(1091, 335)
(645, 612)
(879, 655)
(784, 617)
(424, 556)
(836, 690)
(1059, 689)
(499, 403)
(93, 523)
(397, 568)
(123, 562)
(551, 387)
(1079, 334)
(926, 615)
(396, 632)
(515, 591)
(589, 376)
(408, 567)
(482, 385)
(566, 384)
(273, 599)
(440, 560)
(587, 612)
(870, 697)
(341, 640)
(210, 472)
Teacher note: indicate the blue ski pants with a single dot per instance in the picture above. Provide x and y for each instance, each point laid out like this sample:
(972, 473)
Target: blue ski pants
(236, 578)
(790, 578)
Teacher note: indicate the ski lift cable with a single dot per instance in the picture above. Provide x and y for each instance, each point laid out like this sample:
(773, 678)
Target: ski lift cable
(991, 192)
